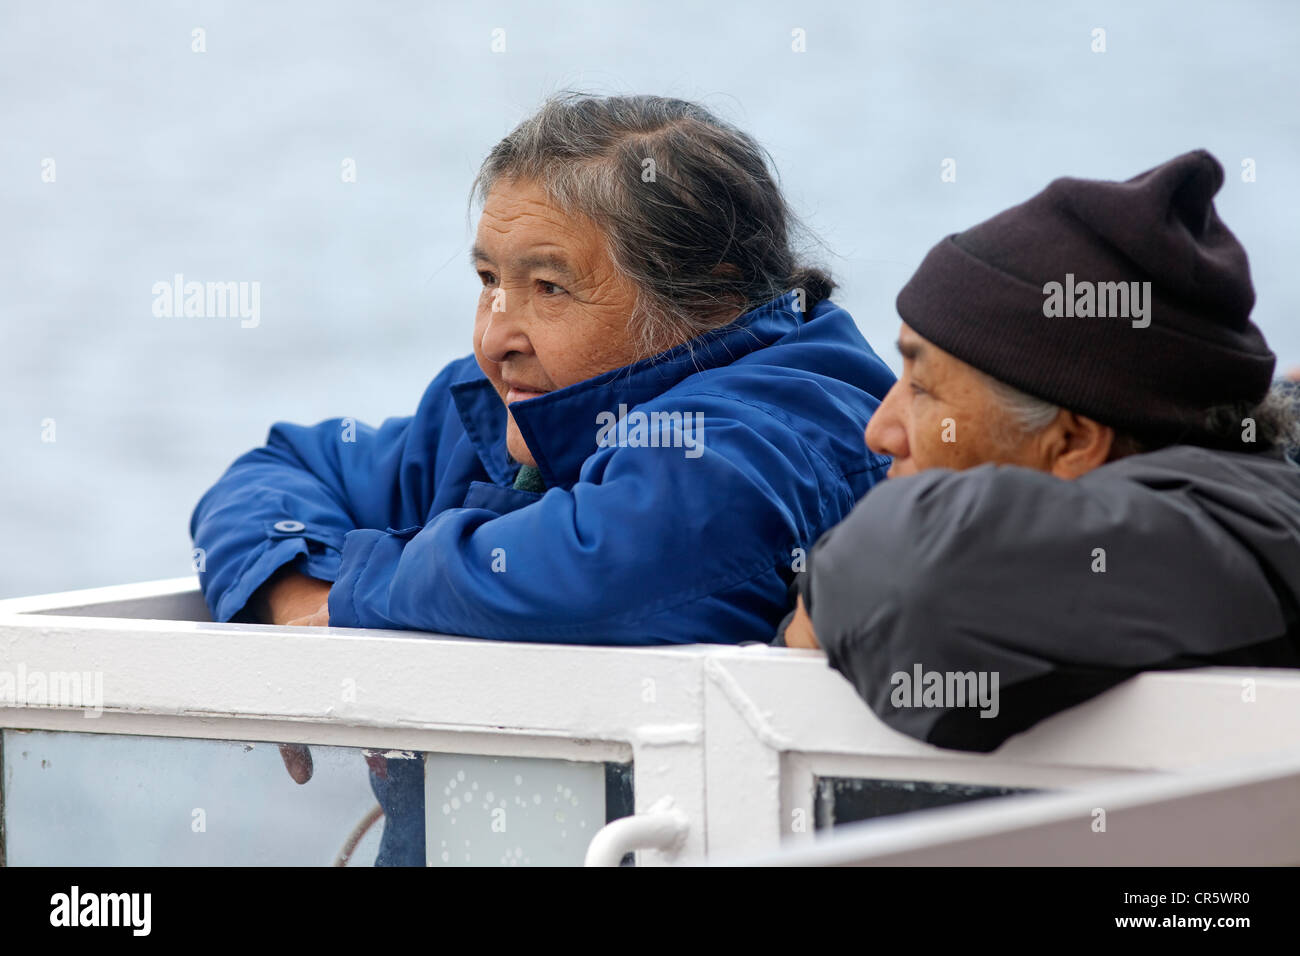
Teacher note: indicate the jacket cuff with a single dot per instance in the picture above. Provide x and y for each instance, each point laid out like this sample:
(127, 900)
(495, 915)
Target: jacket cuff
(312, 551)
(275, 556)
(343, 607)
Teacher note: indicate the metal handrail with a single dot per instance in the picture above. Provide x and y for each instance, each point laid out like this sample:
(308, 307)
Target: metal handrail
(663, 827)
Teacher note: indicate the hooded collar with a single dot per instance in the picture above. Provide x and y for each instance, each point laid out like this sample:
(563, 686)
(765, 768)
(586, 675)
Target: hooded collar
(560, 427)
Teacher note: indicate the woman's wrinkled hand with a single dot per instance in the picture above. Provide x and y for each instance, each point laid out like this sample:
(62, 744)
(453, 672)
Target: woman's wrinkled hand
(297, 760)
(296, 596)
(318, 618)
(288, 597)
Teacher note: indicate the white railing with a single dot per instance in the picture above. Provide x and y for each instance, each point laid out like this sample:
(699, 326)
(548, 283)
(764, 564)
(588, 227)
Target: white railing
(733, 739)
(1239, 814)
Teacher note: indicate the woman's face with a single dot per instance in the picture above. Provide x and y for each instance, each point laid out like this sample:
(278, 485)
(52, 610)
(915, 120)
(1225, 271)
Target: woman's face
(553, 311)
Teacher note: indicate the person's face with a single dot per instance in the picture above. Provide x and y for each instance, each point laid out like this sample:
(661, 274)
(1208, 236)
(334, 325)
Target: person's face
(942, 414)
(553, 311)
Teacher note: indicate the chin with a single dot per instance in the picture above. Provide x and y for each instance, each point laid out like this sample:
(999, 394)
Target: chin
(518, 450)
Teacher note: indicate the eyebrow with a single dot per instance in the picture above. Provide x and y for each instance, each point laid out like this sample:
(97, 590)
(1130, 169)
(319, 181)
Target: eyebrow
(909, 350)
(536, 260)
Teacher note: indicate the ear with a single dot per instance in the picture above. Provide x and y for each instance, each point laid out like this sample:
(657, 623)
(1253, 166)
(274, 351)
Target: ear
(1078, 445)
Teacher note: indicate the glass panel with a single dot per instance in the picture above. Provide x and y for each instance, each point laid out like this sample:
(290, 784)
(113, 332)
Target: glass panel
(72, 799)
(850, 799)
(107, 800)
(511, 811)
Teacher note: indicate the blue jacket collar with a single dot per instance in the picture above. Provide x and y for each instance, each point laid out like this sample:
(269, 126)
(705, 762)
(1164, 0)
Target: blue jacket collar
(560, 426)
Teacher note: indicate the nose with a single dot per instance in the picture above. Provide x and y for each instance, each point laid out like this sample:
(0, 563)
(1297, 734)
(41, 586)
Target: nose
(887, 431)
(501, 335)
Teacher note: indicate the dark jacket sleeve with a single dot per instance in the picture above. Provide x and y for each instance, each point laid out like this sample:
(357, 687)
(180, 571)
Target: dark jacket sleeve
(1048, 591)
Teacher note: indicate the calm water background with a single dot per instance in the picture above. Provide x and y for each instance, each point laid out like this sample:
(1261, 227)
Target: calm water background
(225, 165)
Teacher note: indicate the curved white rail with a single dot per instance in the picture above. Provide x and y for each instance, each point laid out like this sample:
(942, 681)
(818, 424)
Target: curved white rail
(663, 827)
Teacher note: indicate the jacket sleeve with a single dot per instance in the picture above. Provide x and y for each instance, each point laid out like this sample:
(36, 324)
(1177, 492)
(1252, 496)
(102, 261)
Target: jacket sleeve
(1049, 591)
(296, 498)
(649, 546)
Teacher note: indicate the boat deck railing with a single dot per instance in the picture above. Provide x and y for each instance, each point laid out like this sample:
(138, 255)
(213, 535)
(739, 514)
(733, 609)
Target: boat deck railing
(1240, 813)
(736, 752)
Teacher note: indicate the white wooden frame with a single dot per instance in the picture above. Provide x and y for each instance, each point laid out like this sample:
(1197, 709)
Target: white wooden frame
(733, 737)
(802, 726)
(1239, 814)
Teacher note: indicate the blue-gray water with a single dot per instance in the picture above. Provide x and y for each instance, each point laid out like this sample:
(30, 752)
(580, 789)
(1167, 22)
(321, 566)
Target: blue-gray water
(225, 165)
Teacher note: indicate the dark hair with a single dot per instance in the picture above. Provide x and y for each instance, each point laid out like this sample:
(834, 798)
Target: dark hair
(689, 205)
(1264, 427)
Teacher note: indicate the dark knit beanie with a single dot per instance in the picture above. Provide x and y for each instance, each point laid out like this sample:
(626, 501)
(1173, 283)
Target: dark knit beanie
(986, 296)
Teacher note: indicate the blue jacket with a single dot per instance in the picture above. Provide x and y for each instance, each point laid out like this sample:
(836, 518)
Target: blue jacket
(417, 523)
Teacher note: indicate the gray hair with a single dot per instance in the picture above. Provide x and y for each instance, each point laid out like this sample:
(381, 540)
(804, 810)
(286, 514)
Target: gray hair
(1275, 419)
(1023, 414)
(689, 206)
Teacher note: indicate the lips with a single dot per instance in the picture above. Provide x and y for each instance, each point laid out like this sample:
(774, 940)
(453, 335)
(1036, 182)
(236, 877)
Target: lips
(519, 392)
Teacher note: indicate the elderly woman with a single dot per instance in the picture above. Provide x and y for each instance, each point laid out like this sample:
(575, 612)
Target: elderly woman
(662, 410)
(1077, 493)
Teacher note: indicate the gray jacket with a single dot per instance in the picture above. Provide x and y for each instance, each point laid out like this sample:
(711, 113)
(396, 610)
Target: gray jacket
(967, 606)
